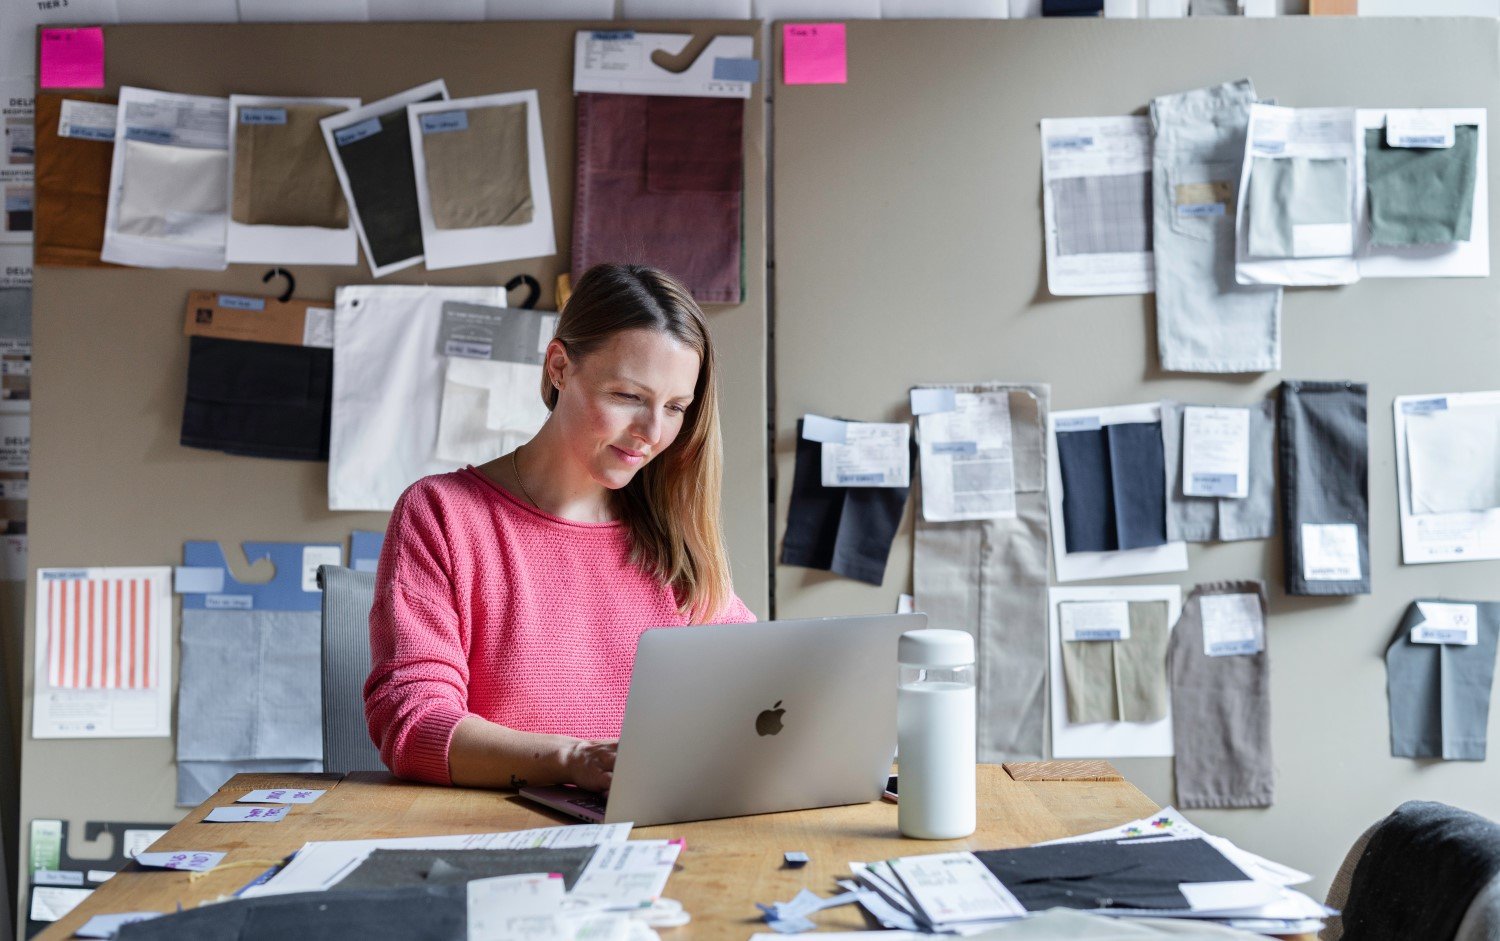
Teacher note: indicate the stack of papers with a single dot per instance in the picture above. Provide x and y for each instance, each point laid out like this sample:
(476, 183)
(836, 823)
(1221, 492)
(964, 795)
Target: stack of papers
(1160, 866)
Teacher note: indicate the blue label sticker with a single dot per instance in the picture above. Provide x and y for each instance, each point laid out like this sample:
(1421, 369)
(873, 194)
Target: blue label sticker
(1214, 485)
(955, 447)
(262, 115)
(85, 132)
(17, 202)
(445, 121)
(235, 302)
(1069, 143)
(1269, 146)
(1097, 634)
(1422, 140)
(64, 575)
(151, 135)
(1233, 648)
(1081, 423)
(848, 480)
(1423, 406)
(608, 34)
(1201, 209)
(736, 70)
(229, 602)
(1446, 635)
(345, 136)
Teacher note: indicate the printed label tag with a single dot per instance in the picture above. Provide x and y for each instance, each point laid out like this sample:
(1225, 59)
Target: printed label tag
(1082, 423)
(229, 602)
(314, 556)
(262, 115)
(237, 302)
(246, 814)
(1421, 129)
(280, 796)
(1330, 552)
(444, 121)
(1094, 620)
(151, 135)
(1445, 623)
(345, 136)
(87, 120)
(1233, 625)
(1424, 406)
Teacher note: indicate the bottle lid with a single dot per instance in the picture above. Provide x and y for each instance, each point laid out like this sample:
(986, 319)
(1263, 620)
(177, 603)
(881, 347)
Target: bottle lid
(931, 647)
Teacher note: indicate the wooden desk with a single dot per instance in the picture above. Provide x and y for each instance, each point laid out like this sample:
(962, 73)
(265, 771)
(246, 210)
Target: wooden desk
(728, 865)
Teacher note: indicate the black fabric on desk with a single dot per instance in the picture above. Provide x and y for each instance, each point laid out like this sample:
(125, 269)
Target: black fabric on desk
(385, 869)
(1108, 874)
(383, 181)
(258, 399)
(429, 913)
(1420, 871)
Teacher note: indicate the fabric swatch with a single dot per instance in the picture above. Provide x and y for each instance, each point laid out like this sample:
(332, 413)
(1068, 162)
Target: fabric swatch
(1088, 492)
(1205, 320)
(427, 913)
(1139, 874)
(645, 163)
(1454, 457)
(489, 408)
(844, 530)
(72, 189)
(1221, 713)
(989, 577)
(1205, 519)
(174, 193)
(1102, 214)
(282, 174)
(1124, 680)
(480, 174)
(383, 182)
(258, 399)
(1418, 195)
(1440, 693)
(1324, 458)
(397, 869)
(1289, 192)
(1114, 487)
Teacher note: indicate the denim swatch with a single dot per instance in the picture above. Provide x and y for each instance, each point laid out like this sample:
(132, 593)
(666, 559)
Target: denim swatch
(1114, 487)
(1325, 460)
(1440, 693)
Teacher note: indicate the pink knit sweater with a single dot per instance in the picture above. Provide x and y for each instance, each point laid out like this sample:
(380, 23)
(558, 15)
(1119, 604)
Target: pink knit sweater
(487, 606)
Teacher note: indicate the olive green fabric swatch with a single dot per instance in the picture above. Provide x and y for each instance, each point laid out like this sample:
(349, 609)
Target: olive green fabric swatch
(283, 174)
(1124, 680)
(480, 175)
(1421, 196)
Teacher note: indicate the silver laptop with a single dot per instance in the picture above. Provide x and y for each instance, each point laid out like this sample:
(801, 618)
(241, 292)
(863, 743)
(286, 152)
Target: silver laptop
(726, 720)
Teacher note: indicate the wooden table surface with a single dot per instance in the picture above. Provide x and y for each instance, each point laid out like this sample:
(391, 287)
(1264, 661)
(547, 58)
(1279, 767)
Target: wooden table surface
(727, 867)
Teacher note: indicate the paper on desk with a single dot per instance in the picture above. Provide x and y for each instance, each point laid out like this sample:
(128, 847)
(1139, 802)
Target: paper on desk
(280, 796)
(1096, 205)
(624, 875)
(51, 903)
(968, 466)
(107, 926)
(871, 454)
(517, 908)
(246, 814)
(321, 864)
(186, 860)
(955, 887)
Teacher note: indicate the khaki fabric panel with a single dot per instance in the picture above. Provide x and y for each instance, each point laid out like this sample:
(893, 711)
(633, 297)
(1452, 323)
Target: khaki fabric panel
(481, 175)
(72, 189)
(283, 174)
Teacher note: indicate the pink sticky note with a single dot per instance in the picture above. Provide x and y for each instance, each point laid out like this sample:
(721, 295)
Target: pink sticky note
(73, 58)
(814, 54)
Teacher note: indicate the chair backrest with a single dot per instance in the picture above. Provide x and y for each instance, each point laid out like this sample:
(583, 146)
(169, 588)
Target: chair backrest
(347, 597)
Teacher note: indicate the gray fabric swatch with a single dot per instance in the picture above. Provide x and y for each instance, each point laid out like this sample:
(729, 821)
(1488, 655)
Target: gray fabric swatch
(989, 578)
(1205, 320)
(1440, 693)
(1325, 470)
(198, 780)
(1286, 192)
(1102, 214)
(1205, 519)
(347, 599)
(1221, 713)
(396, 869)
(15, 313)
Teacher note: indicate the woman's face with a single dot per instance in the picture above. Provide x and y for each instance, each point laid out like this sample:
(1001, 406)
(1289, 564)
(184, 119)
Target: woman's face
(622, 405)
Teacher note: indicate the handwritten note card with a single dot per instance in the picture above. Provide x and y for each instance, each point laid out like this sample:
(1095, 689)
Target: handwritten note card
(73, 58)
(246, 814)
(280, 796)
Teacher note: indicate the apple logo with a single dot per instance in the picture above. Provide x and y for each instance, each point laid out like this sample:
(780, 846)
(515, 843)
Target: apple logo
(769, 721)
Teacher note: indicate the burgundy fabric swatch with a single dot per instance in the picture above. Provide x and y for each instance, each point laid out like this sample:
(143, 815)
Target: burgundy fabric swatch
(660, 181)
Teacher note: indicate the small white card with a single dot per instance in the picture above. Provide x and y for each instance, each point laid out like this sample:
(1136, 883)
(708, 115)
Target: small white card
(280, 796)
(1216, 452)
(186, 860)
(107, 926)
(1095, 620)
(873, 454)
(246, 814)
(511, 907)
(1330, 552)
(87, 120)
(1427, 129)
(1233, 625)
(314, 556)
(1444, 623)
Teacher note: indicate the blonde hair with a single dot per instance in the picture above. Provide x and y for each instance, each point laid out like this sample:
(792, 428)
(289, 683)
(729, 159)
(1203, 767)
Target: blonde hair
(672, 506)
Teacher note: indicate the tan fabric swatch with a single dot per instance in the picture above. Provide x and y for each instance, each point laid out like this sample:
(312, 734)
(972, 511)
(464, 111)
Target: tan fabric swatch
(72, 188)
(1089, 670)
(1120, 681)
(481, 175)
(283, 174)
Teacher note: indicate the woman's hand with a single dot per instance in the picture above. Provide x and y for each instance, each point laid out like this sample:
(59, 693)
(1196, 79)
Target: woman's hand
(590, 763)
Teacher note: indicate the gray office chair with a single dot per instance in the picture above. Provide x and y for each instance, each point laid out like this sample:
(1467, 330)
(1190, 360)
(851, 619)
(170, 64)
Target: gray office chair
(347, 597)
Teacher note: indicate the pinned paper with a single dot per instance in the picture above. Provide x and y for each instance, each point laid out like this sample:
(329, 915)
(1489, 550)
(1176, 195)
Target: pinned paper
(1417, 128)
(825, 430)
(1232, 624)
(246, 814)
(1094, 620)
(73, 58)
(185, 860)
(814, 54)
(280, 796)
(1446, 624)
(931, 401)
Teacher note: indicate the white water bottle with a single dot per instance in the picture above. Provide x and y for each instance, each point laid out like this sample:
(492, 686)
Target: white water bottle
(935, 734)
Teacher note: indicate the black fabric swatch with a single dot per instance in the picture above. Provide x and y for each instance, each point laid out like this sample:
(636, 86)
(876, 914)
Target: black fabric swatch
(383, 181)
(387, 869)
(258, 399)
(1108, 873)
(429, 913)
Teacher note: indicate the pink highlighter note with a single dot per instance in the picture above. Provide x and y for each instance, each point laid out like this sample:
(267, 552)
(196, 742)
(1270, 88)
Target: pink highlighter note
(814, 54)
(73, 58)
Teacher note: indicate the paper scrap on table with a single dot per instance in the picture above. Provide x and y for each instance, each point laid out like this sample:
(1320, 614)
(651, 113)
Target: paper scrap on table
(968, 467)
(955, 887)
(871, 454)
(791, 917)
(526, 906)
(107, 926)
(1445, 623)
(1330, 552)
(246, 814)
(1094, 620)
(1232, 624)
(72, 58)
(186, 860)
(1215, 452)
(280, 796)
(814, 54)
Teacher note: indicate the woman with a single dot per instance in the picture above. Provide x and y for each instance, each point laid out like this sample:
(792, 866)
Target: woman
(510, 596)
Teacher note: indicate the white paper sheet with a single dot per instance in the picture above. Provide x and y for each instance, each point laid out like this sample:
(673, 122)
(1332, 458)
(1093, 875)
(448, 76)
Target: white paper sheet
(333, 125)
(1462, 536)
(872, 454)
(52, 903)
(1469, 259)
(1287, 133)
(168, 148)
(285, 244)
(103, 661)
(955, 887)
(179, 11)
(967, 458)
(17, 160)
(15, 266)
(304, 11)
(426, 10)
(489, 408)
(1104, 739)
(1091, 167)
(813, 10)
(517, 908)
(625, 875)
(944, 9)
(1081, 566)
(549, 9)
(1094, 620)
(453, 248)
(1454, 457)
(319, 865)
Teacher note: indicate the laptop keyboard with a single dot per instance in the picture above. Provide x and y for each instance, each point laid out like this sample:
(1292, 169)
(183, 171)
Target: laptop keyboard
(589, 800)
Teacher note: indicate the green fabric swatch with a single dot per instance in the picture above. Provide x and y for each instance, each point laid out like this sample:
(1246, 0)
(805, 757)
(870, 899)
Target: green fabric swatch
(1420, 196)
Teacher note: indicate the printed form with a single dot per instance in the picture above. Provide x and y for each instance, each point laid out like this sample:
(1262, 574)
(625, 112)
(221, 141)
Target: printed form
(1096, 205)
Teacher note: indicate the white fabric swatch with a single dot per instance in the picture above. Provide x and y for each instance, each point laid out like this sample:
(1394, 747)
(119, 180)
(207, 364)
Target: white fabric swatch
(1455, 459)
(175, 193)
(489, 408)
